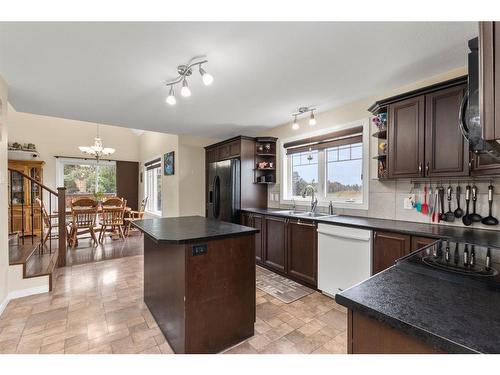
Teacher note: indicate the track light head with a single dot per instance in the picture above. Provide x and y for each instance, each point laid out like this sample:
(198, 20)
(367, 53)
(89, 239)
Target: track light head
(312, 119)
(295, 125)
(185, 91)
(171, 97)
(206, 77)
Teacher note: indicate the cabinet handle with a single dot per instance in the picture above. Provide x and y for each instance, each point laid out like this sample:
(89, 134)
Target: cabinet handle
(420, 167)
(427, 168)
(305, 224)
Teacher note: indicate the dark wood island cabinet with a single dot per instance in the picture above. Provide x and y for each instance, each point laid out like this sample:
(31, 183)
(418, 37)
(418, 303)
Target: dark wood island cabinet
(199, 273)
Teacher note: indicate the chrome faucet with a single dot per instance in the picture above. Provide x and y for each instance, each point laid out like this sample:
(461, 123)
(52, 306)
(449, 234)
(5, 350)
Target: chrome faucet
(314, 201)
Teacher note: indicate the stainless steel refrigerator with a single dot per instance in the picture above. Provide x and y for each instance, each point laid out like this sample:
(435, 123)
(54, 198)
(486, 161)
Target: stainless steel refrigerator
(224, 190)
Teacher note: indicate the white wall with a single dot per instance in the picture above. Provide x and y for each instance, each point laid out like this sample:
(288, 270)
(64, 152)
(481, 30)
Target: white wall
(61, 137)
(4, 251)
(183, 194)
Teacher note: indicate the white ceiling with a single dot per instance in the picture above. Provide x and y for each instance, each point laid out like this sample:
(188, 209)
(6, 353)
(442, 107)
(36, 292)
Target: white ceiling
(112, 73)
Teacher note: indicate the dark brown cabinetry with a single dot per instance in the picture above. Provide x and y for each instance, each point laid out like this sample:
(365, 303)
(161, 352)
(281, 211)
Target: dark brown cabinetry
(484, 165)
(423, 136)
(255, 221)
(301, 250)
(275, 243)
(406, 138)
(446, 151)
(387, 248)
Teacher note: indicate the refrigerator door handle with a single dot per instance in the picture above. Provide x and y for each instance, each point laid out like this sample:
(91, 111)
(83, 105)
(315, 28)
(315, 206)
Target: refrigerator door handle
(216, 191)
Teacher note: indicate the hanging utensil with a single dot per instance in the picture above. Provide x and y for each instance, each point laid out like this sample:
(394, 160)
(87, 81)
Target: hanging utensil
(466, 218)
(418, 203)
(425, 206)
(450, 216)
(435, 214)
(442, 216)
(490, 220)
(431, 200)
(458, 212)
(474, 216)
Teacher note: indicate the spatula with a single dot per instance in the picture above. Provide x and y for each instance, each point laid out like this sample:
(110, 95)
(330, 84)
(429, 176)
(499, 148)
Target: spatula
(425, 206)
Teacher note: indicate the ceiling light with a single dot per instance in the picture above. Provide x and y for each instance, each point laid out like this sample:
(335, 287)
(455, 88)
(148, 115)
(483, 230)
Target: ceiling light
(312, 120)
(301, 111)
(171, 98)
(206, 77)
(97, 150)
(186, 71)
(185, 91)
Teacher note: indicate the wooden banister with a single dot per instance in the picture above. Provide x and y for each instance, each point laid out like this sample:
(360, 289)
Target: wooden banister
(33, 180)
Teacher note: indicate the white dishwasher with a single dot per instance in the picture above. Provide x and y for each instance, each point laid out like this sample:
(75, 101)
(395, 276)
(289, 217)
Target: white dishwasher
(344, 257)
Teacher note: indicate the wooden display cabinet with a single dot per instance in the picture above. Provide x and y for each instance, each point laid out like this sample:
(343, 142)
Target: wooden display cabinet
(22, 195)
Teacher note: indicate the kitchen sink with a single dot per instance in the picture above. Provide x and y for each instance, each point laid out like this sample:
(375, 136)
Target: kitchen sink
(303, 213)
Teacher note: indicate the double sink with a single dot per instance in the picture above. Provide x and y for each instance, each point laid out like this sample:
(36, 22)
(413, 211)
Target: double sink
(304, 214)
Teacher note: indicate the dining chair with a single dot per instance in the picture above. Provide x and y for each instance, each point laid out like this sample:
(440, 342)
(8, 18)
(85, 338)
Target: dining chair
(135, 215)
(112, 215)
(83, 220)
(46, 220)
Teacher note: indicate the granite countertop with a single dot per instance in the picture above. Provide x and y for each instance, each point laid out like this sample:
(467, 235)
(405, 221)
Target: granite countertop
(456, 317)
(179, 230)
(454, 233)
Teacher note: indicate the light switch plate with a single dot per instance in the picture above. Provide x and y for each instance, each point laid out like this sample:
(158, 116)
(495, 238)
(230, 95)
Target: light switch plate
(408, 202)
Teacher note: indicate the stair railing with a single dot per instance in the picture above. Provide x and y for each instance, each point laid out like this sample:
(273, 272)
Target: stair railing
(31, 213)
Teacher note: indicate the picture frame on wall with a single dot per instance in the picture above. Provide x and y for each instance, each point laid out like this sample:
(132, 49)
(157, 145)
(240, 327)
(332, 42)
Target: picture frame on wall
(169, 164)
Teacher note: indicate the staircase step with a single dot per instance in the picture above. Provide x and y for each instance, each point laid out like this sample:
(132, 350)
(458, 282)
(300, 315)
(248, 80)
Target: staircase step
(19, 253)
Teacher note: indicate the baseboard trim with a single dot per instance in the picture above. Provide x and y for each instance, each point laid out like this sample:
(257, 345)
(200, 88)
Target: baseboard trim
(27, 292)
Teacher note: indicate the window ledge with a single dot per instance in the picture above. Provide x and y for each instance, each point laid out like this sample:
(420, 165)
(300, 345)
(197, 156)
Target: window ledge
(155, 214)
(307, 203)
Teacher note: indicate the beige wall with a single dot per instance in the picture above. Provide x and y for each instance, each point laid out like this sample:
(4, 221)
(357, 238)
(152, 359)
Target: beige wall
(4, 251)
(183, 194)
(61, 137)
(385, 197)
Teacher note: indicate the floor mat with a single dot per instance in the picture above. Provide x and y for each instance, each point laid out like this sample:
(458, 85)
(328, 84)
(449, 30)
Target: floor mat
(280, 287)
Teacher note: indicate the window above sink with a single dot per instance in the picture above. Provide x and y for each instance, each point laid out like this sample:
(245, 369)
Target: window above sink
(334, 162)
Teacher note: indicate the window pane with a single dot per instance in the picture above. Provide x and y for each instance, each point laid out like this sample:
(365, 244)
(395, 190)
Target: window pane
(344, 182)
(333, 154)
(152, 189)
(107, 178)
(304, 172)
(79, 178)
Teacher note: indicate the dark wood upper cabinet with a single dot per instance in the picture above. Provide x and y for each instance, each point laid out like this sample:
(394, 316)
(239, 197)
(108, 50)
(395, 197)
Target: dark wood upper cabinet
(275, 243)
(406, 138)
(489, 79)
(302, 251)
(446, 151)
(387, 248)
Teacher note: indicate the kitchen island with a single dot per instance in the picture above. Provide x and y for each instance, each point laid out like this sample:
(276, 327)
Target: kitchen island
(199, 281)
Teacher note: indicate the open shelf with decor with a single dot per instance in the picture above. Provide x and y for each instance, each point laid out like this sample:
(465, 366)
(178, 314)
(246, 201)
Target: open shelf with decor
(380, 121)
(265, 160)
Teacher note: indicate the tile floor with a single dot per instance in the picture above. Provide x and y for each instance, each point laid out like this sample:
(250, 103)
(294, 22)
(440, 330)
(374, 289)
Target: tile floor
(99, 308)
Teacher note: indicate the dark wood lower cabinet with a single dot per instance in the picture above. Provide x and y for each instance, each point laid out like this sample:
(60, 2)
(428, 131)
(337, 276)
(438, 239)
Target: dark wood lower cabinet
(258, 223)
(275, 243)
(366, 335)
(302, 260)
(387, 248)
(420, 242)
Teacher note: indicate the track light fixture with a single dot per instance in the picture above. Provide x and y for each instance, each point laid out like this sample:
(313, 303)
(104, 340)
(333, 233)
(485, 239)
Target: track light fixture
(301, 111)
(185, 71)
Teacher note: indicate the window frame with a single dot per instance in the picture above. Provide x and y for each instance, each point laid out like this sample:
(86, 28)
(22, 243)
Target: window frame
(323, 201)
(144, 190)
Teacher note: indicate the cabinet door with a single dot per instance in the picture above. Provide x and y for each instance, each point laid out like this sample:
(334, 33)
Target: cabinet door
(420, 242)
(275, 243)
(489, 78)
(406, 138)
(234, 148)
(484, 165)
(387, 248)
(302, 251)
(446, 151)
(258, 223)
(223, 152)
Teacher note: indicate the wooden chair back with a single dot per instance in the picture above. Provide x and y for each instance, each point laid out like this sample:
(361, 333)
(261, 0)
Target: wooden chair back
(114, 202)
(83, 202)
(45, 216)
(112, 215)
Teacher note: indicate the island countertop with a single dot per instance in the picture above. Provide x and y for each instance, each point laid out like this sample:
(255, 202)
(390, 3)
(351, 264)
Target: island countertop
(180, 230)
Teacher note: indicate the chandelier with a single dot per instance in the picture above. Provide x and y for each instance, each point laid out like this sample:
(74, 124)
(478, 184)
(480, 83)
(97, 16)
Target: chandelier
(97, 150)
(300, 111)
(185, 71)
